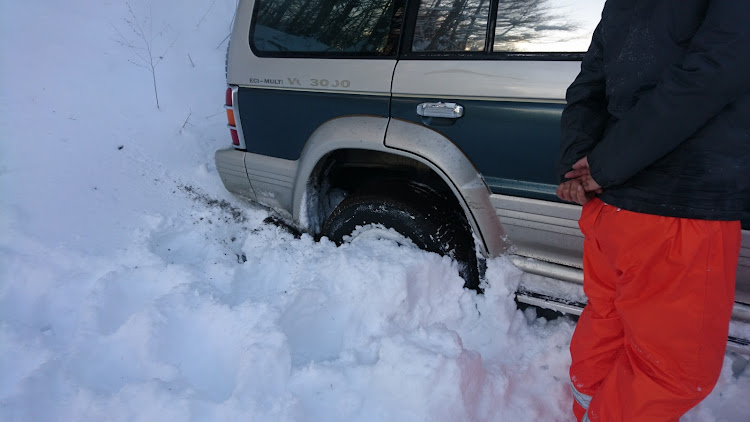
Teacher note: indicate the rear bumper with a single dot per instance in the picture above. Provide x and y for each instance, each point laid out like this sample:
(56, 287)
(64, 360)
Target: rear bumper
(230, 163)
(260, 178)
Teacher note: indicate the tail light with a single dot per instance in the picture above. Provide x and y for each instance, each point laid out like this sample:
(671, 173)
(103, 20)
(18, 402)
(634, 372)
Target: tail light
(231, 121)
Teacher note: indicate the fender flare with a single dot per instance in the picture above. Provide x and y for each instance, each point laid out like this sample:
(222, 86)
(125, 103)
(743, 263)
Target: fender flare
(412, 141)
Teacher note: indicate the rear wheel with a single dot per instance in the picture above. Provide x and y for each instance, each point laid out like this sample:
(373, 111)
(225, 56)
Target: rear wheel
(428, 219)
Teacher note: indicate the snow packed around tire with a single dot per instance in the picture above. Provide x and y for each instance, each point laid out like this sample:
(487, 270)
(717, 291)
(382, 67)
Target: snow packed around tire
(423, 216)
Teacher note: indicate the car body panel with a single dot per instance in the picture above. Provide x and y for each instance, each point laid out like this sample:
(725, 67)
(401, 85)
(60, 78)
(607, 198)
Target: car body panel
(498, 158)
(266, 113)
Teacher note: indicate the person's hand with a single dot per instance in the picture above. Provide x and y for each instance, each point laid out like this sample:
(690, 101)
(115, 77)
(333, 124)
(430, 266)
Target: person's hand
(589, 184)
(580, 168)
(582, 172)
(582, 187)
(573, 191)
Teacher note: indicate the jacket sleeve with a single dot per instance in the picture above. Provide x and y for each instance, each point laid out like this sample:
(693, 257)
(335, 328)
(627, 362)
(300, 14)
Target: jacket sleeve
(585, 115)
(712, 74)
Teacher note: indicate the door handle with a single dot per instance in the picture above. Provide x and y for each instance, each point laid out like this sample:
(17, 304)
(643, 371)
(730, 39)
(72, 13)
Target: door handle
(441, 109)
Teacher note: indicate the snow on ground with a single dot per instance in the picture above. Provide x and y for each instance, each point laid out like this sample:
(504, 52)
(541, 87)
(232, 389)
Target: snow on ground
(133, 287)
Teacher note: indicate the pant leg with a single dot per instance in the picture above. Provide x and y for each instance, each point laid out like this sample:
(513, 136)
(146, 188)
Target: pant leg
(674, 297)
(598, 337)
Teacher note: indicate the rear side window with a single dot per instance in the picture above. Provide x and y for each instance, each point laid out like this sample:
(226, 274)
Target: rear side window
(505, 26)
(451, 25)
(546, 26)
(326, 27)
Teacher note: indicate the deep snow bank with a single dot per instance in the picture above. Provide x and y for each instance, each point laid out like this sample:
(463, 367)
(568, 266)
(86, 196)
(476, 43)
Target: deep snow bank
(134, 287)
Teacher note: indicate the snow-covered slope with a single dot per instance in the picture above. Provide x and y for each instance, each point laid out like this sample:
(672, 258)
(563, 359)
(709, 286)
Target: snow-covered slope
(133, 287)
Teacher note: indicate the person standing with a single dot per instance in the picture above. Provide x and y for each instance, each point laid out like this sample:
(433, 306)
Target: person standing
(656, 147)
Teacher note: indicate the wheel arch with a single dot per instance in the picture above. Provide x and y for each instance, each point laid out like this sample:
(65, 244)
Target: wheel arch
(410, 143)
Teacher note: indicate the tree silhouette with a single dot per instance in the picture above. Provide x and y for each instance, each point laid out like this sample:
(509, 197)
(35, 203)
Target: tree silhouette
(462, 25)
(453, 25)
(346, 26)
(526, 21)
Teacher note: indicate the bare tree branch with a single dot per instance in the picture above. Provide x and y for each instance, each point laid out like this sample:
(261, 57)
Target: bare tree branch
(142, 44)
(205, 14)
(187, 121)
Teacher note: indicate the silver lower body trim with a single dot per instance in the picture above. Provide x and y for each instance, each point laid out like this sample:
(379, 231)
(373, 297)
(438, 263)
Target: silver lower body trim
(565, 278)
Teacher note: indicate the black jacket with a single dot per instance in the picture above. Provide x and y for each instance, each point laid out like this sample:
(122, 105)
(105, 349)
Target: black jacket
(662, 108)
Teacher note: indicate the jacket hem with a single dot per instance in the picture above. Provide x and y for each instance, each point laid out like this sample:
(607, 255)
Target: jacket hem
(670, 210)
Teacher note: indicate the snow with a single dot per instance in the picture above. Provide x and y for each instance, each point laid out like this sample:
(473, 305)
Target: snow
(134, 287)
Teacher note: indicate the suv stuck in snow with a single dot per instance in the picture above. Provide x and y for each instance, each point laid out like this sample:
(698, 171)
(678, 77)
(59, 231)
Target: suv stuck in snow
(437, 119)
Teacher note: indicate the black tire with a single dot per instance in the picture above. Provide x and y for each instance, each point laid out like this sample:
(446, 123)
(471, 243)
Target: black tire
(428, 219)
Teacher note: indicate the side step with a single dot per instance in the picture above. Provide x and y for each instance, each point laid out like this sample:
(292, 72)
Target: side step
(734, 344)
(539, 291)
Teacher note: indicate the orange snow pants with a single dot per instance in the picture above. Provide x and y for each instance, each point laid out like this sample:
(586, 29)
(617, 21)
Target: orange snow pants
(650, 343)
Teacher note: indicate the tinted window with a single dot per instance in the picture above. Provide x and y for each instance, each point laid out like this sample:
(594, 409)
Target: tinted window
(529, 26)
(451, 25)
(326, 26)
